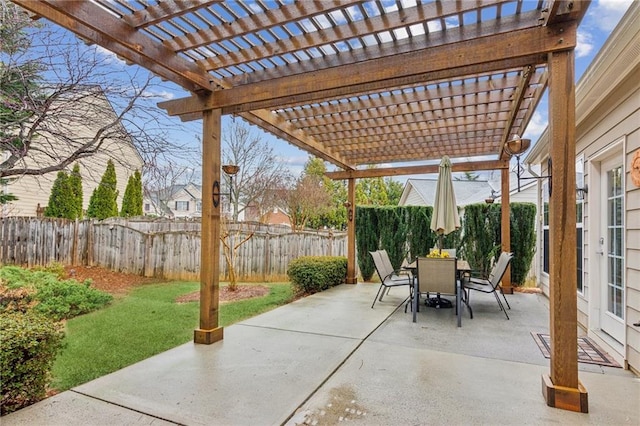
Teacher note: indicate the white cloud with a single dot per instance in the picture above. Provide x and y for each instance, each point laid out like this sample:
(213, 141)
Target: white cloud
(607, 13)
(163, 94)
(537, 125)
(109, 56)
(584, 45)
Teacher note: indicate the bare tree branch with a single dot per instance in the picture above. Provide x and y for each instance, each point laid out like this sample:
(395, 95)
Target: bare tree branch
(52, 109)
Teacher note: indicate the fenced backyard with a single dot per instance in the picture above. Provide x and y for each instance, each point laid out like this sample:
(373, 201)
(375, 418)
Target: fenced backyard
(162, 249)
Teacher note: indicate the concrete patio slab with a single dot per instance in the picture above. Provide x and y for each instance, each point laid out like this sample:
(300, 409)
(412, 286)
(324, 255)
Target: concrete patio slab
(71, 408)
(330, 355)
(385, 384)
(340, 311)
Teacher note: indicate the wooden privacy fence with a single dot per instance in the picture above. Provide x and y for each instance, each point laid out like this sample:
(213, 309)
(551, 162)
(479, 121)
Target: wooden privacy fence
(168, 250)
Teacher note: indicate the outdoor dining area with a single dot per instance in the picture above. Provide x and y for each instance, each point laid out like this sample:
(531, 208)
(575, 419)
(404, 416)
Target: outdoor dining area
(361, 86)
(440, 272)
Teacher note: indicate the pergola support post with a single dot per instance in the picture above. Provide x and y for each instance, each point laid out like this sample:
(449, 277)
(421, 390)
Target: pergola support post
(561, 388)
(505, 229)
(209, 331)
(351, 232)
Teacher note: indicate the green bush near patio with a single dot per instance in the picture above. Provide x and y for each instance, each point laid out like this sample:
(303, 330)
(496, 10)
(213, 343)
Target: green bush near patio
(30, 342)
(311, 274)
(53, 297)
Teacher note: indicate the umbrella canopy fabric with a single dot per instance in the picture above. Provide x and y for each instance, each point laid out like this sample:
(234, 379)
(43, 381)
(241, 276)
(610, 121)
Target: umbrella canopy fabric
(445, 217)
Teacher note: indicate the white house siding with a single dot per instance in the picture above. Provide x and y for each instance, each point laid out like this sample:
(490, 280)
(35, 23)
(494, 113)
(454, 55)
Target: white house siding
(413, 198)
(34, 190)
(608, 127)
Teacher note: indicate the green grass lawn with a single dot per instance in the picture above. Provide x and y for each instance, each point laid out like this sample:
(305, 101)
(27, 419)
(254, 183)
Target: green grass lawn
(146, 322)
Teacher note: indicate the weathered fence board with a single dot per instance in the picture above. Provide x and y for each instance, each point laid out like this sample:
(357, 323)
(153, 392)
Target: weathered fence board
(166, 249)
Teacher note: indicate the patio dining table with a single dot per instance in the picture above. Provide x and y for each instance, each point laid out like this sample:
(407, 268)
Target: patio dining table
(462, 267)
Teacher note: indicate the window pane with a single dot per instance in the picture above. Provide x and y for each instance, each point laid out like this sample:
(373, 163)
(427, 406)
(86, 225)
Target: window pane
(610, 306)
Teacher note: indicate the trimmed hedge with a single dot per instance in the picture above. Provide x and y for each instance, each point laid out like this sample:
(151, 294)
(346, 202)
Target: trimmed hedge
(482, 237)
(30, 342)
(312, 274)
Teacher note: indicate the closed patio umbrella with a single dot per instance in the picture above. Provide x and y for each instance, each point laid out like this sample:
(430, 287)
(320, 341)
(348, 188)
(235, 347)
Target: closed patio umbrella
(445, 217)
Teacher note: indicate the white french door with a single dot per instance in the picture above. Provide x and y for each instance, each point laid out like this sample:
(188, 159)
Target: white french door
(612, 246)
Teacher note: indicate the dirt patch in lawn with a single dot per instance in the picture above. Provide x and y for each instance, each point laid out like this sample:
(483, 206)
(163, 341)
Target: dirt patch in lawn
(226, 295)
(118, 283)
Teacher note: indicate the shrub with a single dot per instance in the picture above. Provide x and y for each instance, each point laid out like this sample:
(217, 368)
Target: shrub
(30, 343)
(367, 239)
(103, 201)
(393, 233)
(61, 199)
(16, 299)
(311, 274)
(57, 299)
(523, 240)
(132, 199)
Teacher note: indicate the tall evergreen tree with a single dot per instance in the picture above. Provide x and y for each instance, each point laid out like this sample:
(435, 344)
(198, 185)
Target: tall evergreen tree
(75, 184)
(61, 200)
(103, 202)
(132, 199)
(6, 197)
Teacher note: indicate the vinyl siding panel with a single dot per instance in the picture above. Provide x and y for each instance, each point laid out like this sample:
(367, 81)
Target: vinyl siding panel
(34, 190)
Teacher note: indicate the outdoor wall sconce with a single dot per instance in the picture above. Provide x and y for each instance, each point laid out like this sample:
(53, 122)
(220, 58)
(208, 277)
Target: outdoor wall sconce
(516, 146)
(582, 192)
(230, 170)
(347, 204)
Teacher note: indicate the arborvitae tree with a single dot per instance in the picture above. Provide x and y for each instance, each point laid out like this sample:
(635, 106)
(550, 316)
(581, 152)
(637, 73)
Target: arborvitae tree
(103, 201)
(75, 184)
(61, 200)
(132, 199)
(5, 197)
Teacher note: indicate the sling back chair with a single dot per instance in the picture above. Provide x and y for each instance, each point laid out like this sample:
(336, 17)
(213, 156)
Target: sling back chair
(491, 285)
(436, 277)
(388, 277)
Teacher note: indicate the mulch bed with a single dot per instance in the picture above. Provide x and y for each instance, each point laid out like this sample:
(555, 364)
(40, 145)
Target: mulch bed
(118, 283)
(226, 295)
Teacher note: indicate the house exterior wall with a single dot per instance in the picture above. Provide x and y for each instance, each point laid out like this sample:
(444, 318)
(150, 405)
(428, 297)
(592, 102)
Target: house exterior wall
(413, 198)
(608, 132)
(35, 190)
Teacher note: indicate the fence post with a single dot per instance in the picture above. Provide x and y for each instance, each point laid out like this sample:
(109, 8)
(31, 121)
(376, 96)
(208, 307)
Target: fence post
(267, 258)
(90, 242)
(74, 246)
(148, 242)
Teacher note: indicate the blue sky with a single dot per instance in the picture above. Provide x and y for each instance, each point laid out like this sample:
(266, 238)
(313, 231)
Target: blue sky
(601, 19)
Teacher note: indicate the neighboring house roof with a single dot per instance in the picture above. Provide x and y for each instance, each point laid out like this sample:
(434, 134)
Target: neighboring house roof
(423, 191)
(163, 199)
(467, 191)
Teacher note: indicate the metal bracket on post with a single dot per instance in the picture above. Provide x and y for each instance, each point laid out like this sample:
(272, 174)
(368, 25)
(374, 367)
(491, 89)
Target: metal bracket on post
(215, 193)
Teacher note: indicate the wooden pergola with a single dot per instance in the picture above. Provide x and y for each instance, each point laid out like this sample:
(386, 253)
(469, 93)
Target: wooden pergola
(361, 83)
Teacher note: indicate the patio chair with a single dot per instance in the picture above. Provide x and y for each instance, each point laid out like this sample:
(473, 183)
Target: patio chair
(388, 277)
(436, 276)
(491, 285)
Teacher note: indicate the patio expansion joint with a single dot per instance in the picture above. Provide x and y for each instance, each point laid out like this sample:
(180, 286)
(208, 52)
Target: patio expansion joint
(333, 372)
(301, 331)
(125, 407)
